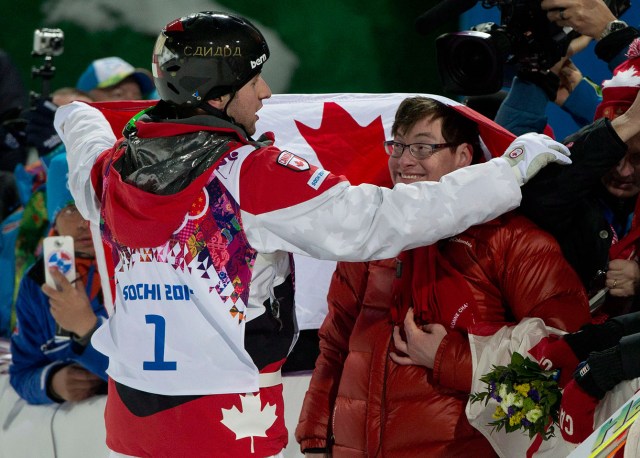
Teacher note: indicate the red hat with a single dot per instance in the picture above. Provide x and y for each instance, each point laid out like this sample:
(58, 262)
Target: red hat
(620, 91)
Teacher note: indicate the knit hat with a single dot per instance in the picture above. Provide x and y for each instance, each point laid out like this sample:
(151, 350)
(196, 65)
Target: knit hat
(58, 194)
(110, 71)
(620, 91)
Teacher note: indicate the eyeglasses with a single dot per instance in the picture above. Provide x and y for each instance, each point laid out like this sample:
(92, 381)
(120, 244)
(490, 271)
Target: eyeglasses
(417, 150)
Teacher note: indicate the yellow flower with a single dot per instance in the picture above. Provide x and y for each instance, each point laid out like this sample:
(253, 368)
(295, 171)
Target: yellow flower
(523, 389)
(499, 413)
(516, 418)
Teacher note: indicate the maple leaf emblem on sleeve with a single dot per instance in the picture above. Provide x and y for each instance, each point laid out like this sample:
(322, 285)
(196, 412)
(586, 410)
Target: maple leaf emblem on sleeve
(344, 147)
(253, 421)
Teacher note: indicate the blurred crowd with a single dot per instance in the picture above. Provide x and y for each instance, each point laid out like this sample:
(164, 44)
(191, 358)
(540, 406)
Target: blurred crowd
(36, 203)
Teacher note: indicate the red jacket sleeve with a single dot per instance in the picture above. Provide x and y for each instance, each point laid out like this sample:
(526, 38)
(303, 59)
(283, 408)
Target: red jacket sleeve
(525, 267)
(453, 366)
(537, 281)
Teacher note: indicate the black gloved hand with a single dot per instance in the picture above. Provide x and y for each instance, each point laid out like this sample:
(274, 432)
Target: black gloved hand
(598, 337)
(594, 337)
(545, 80)
(603, 370)
(40, 131)
(600, 372)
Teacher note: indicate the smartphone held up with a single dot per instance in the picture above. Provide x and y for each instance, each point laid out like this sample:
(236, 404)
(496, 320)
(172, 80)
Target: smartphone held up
(58, 253)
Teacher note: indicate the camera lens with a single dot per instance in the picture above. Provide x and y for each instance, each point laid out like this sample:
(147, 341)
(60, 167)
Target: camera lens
(469, 63)
(471, 57)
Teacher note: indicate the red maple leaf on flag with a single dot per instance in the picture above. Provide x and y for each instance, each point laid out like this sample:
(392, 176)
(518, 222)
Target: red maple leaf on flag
(344, 147)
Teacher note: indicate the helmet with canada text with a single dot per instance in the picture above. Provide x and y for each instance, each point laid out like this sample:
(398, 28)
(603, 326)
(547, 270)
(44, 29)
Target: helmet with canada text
(206, 55)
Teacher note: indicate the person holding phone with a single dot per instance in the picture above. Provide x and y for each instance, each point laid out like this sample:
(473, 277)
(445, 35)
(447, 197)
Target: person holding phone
(52, 356)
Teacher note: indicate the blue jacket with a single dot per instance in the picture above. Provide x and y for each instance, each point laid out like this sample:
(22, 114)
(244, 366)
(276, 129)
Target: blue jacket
(8, 235)
(524, 108)
(36, 350)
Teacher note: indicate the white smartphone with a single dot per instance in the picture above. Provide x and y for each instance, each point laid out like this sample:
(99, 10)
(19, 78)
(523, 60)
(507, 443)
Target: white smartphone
(58, 253)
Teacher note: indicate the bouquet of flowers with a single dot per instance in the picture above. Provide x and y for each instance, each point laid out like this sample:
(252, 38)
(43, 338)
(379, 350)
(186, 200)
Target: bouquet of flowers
(528, 397)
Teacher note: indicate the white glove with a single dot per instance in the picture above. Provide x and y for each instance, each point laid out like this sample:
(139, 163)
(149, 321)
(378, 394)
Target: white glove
(528, 153)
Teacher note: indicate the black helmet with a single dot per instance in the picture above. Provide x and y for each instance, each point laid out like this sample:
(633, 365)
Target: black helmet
(206, 55)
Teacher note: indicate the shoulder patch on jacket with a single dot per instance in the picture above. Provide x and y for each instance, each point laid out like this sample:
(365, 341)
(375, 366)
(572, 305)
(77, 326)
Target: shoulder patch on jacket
(293, 162)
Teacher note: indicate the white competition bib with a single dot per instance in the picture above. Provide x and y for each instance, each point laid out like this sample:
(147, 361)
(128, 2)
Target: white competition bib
(172, 332)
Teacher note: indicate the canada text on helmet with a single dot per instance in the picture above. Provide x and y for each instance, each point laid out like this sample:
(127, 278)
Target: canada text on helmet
(206, 55)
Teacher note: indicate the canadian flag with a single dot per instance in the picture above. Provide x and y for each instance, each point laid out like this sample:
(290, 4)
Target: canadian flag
(342, 133)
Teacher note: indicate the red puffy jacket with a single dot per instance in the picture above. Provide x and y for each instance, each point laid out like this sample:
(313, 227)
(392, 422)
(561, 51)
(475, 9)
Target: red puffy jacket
(360, 403)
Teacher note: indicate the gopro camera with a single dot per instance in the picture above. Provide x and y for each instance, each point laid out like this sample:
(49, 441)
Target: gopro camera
(48, 42)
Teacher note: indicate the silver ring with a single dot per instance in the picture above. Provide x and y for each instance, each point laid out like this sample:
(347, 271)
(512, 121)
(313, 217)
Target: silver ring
(562, 15)
(615, 282)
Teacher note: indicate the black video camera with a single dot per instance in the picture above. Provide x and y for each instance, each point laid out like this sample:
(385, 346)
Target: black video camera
(473, 62)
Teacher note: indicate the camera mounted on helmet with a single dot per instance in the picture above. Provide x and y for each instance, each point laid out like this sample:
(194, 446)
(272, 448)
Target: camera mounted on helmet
(206, 55)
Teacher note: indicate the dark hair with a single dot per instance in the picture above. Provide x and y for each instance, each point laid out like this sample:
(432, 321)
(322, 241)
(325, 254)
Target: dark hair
(456, 128)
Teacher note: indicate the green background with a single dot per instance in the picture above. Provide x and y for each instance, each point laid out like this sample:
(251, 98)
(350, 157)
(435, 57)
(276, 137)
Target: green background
(342, 46)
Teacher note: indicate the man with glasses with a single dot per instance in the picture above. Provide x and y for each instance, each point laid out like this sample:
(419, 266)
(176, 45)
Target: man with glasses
(394, 372)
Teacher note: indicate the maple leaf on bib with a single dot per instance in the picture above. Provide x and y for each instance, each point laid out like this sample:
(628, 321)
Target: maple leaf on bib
(344, 147)
(253, 421)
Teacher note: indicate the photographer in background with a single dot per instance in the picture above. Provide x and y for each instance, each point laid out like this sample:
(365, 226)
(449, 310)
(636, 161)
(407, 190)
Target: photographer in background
(524, 108)
(600, 188)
